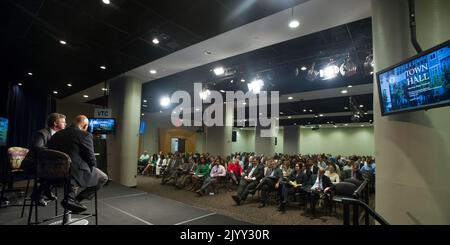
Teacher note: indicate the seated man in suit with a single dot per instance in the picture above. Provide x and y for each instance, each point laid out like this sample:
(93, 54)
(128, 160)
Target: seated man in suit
(250, 180)
(55, 123)
(296, 180)
(318, 186)
(270, 182)
(171, 169)
(76, 142)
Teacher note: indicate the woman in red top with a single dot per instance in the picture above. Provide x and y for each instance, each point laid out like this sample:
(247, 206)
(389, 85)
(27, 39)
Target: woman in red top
(234, 170)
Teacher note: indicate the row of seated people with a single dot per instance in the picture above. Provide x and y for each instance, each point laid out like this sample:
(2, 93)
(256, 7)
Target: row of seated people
(307, 177)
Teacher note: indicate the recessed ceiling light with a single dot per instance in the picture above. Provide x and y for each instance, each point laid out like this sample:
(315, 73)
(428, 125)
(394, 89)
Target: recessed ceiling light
(155, 41)
(294, 24)
(153, 71)
(55, 92)
(106, 1)
(346, 108)
(290, 98)
(243, 80)
(207, 52)
(222, 91)
(365, 113)
(104, 89)
(231, 81)
(303, 68)
(346, 124)
(349, 86)
(69, 85)
(86, 96)
(145, 101)
(304, 110)
(30, 74)
(344, 91)
(289, 117)
(62, 42)
(142, 114)
(103, 67)
(20, 84)
(316, 116)
(361, 106)
(321, 115)
(281, 113)
(219, 71)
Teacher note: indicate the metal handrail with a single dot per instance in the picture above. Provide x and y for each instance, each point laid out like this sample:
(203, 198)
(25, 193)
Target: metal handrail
(368, 211)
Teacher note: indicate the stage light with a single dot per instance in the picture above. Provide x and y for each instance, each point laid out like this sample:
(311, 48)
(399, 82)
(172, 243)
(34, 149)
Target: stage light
(30, 74)
(165, 101)
(255, 86)
(62, 42)
(348, 68)
(103, 67)
(155, 41)
(303, 68)
(55, 92)
(329, 72)
(312, 73)
(219, 71)
(20, 84)
(106, 2)
(69, 85)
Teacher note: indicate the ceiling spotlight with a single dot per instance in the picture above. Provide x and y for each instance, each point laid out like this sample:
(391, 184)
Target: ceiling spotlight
(30, 74)
(20, 84)
(344, 91)
(329, 72)
(69, 85)
(310, 110)
(255, 86)
(164, 101)
(348, 68)
(231, 81)
(316, 116)
(293, 23)
(55, 92)
(153, 71)
(304, 110)
(365, 113)
(155, 41)
(204, 94)
(349, 86)
(103, 67)
(104, 89)
(85, 96)
(242, 80)
(312, 73)
(145, 101)
(321, 115)
(303, 68)
(290, 98)
(219, 71)
(289, 117)
(207, 52)
(106, 1)
(361, 106)
(62, 42)
(222, 91)
(346, 108)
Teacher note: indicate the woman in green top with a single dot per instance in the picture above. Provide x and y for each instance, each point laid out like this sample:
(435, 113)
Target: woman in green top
(200, 173)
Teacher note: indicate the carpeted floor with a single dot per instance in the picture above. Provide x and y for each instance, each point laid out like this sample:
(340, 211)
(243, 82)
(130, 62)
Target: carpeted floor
(222, 203)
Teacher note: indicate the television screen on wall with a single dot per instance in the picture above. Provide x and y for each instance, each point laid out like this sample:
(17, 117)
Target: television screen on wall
(3, 131)
(421, 82)
(102, 125)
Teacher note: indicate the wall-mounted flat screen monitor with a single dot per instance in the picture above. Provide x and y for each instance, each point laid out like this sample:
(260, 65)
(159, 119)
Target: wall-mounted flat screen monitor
(102, 125)
(3, 131)
(421, 82)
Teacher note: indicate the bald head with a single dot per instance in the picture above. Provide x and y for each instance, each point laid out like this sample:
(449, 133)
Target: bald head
(82, 122)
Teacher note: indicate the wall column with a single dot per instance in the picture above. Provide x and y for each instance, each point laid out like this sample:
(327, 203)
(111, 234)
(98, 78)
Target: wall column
(218, 138)
(411, 149)
(291, 140)
(125, 101)
(264, 145)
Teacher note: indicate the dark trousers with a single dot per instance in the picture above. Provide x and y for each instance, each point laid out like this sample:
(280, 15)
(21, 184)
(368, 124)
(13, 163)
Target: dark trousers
(244, 187)
(267, 185)
(286, 189)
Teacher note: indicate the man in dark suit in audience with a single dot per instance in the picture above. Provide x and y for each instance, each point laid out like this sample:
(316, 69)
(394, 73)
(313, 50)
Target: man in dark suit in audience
(298, 178)
(318, 186)
(269, 183)
(250, 180)
(55, 123)
(76, 142)
(356, 173)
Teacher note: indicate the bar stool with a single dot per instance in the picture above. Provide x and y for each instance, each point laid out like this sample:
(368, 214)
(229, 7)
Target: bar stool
(55, 166)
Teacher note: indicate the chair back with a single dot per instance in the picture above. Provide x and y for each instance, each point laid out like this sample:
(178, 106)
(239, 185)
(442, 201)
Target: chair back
(53, 164)
(345, 189)
(16, 156)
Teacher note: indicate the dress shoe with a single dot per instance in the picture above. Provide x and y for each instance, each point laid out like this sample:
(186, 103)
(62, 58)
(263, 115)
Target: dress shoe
(262, 205)
(236, 199)
(49, 195)
(73, 205)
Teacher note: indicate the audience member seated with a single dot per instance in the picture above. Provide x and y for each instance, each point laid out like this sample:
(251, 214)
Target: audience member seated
(334, 177)
(251, 178)
(200, 173)
(171, 169)
(235, 171)
(186, 173)
(269, 183)
(369, 167)
(217, 171)
(143, 160)
(293, 184)
(317, 189)
(161, 164)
